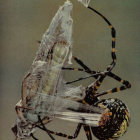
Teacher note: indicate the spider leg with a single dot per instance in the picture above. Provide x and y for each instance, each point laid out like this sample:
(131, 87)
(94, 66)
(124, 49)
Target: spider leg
(94, 87)
(92, 75)
(84, 69)
(67, 136)
(98, 82)
(116, 77)
(116, 89)
(44, 128)
(73, 69)
(87, 70)
(125, 85)
(33, 136)
(88, 132)
(113, 34)
(78, 61)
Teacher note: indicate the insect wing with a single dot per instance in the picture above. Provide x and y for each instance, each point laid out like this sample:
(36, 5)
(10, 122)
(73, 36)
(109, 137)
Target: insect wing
(85, 118)
(58, 107)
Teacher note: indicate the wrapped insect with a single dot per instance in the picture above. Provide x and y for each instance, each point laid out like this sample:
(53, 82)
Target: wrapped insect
(45, 72)
(45, 96)
(40, 101)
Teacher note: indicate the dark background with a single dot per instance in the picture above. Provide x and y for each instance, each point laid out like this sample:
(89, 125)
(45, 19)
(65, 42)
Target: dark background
(23, 22)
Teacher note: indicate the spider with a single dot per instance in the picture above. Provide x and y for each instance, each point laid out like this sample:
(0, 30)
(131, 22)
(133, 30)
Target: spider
(115, 120)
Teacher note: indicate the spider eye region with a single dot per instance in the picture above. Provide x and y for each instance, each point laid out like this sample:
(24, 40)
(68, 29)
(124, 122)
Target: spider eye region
(114, 121)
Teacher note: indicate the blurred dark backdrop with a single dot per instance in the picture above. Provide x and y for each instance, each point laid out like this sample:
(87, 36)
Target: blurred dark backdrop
(23, 22)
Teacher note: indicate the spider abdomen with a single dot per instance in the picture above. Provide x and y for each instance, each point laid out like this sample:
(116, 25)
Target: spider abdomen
(114, 121)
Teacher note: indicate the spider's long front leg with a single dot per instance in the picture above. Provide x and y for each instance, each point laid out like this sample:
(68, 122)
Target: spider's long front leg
(113, 34)
(98, 82)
